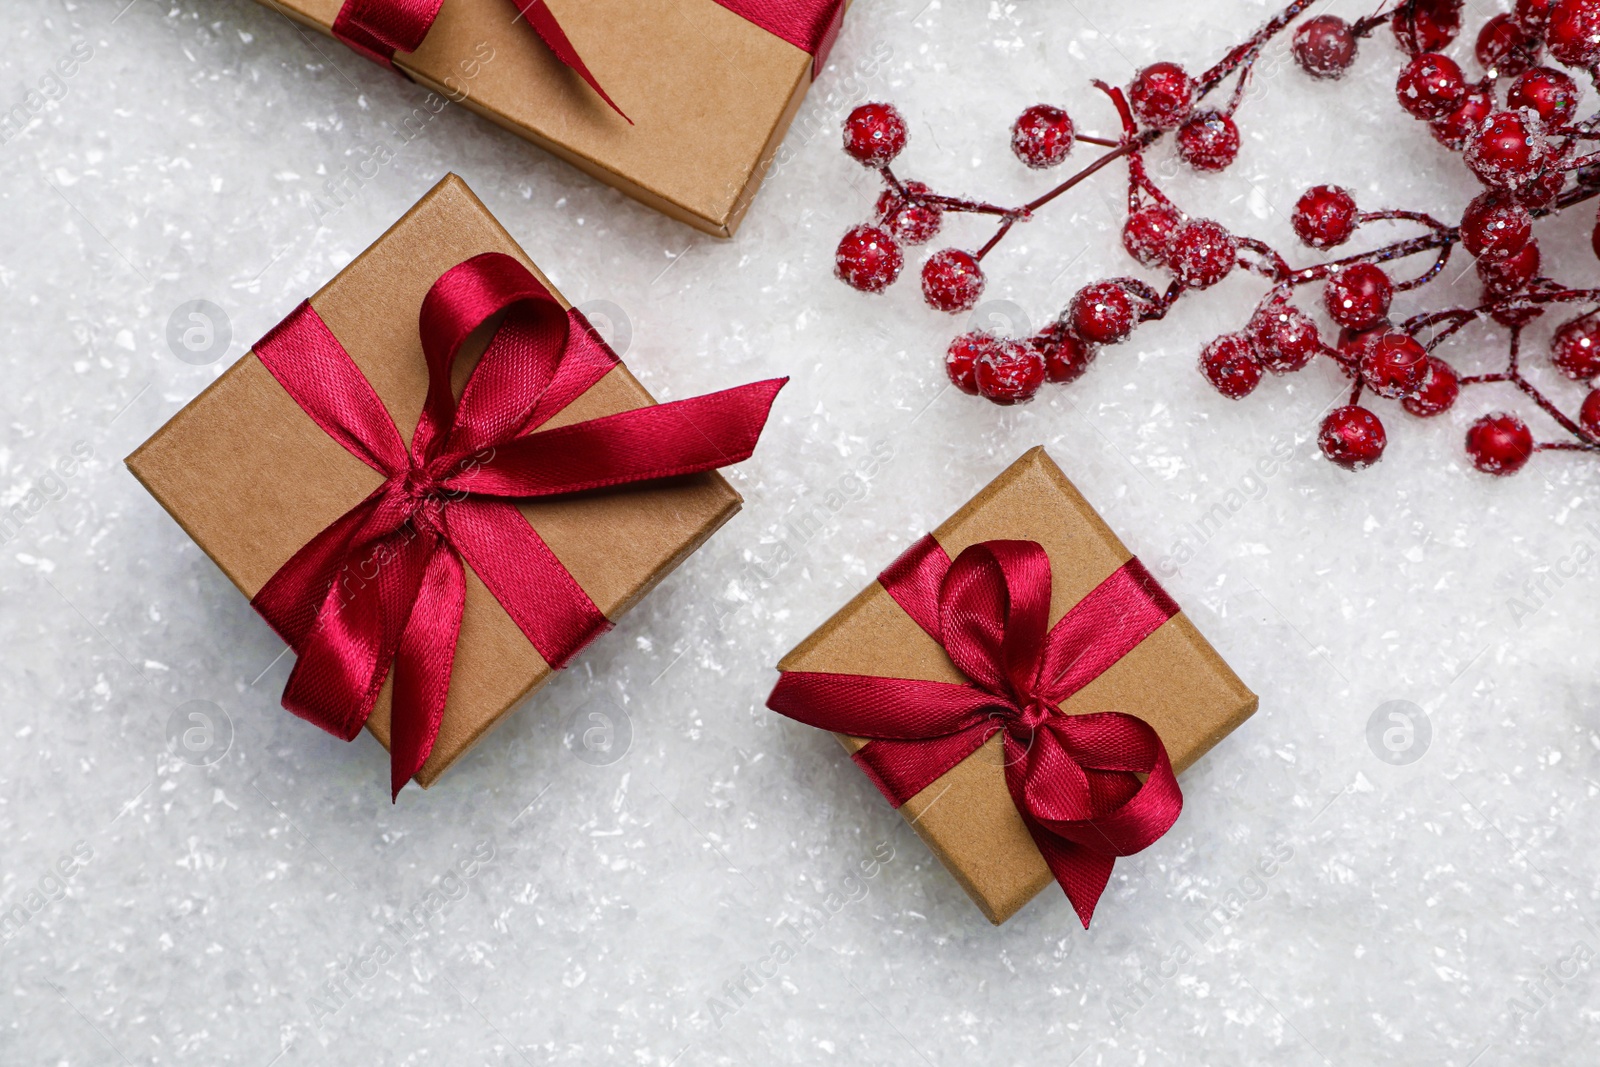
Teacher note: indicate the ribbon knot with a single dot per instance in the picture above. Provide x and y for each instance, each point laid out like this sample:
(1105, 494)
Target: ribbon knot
(384, 585)
(1090, 787)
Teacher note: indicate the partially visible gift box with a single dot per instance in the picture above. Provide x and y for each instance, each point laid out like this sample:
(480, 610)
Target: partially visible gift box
(1082, 691)
(525, 509)
(703, 90)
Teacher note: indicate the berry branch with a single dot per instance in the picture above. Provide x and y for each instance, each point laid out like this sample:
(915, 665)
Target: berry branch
(1516, 128)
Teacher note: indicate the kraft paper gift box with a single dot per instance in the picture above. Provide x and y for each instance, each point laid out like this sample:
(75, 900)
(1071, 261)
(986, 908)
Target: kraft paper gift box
(251, 478)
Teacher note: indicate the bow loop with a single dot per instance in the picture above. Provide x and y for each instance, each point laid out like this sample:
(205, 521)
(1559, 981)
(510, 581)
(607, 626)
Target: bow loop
(994, 609)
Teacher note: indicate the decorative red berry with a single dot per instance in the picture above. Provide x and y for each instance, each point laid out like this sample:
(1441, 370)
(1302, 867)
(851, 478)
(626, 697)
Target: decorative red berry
(1229, 363)
(961, 358)
(1102, 313)
(1009, 372)
(1066, 355)
(1285, 338)
(1510, 274)
(1325, 46)
(1162, 96)
(1495, 226)
(1209, 141)
(952, 280)
(874, 134)
(868, 259)
(1438, 393)
(1427, 25)
(1552, 95)
(1202, 253)
(1589, 414)
(1499, 444)
(1358, 296)
(1456, 129)
(1147, 233)
(910, 220)
(1508, 151)
(1352, 437)
(1431, 86)
(1324, 216)
(1575, 348)
(1573, 33)
(1394, 365)
(1504, 49)
(1532, 16)
(1042, 136)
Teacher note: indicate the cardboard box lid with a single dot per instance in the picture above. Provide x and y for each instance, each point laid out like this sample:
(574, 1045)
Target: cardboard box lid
(251, 478)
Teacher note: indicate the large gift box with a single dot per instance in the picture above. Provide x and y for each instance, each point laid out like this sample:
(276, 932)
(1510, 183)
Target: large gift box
(477, 552)
(1022, 689)
(681, 104)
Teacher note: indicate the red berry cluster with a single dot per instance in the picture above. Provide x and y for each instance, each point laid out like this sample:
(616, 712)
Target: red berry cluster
(1517, 130)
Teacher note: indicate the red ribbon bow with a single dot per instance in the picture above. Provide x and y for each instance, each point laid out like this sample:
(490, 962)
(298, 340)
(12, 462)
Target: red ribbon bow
(380, 28)
(1074, 778)
(384, 583)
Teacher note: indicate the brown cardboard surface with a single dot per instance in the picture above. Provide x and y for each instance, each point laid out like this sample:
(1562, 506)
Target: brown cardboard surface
(251, 478)
(710, 95)
(1174, 679)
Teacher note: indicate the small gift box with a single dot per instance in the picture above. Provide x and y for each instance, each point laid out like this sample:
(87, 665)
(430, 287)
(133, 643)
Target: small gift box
(1019, 686)
(541, 494)
(680, 104)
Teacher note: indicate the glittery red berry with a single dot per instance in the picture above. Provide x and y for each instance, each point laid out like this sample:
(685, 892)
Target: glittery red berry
(1208, 141)
(1508, 151)
(1456, 129)
(1499, 444)
(1575, 348)
(1510, 274)
(1394, 365)
(1532, 16)
(1431, 86)
(1352, 437)
(1552, 95)
(874, 134)
(1202, 253)
(1324, 216)
(1353, 344)
(1009, 372)
(1589, 414)
(961, 358)
(1042, 136)
(1438, 393)
(1102, 313)
(1066, 356)
(1495, 226)
(1162, 96)
(1325, 46)
(868, 259)
(1230, 365)
(1427, 25)
(952, 280)
(912, 222)
(1147, 233)
(1358, 296)
(1573, 33)
(1285, 338)
(1503, 49)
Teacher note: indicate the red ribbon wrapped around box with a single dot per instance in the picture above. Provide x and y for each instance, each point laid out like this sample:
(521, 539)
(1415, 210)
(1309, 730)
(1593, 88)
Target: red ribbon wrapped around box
(1090, 787)
(445, 500)
(380, 28)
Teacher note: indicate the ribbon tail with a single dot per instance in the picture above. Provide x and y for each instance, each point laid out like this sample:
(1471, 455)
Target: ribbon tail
(422, 668)
(537, 12)
(1082, 873)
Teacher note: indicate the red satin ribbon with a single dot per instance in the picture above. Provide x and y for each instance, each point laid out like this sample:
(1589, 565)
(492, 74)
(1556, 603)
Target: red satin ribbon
(384, 584)
(1074, 778)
